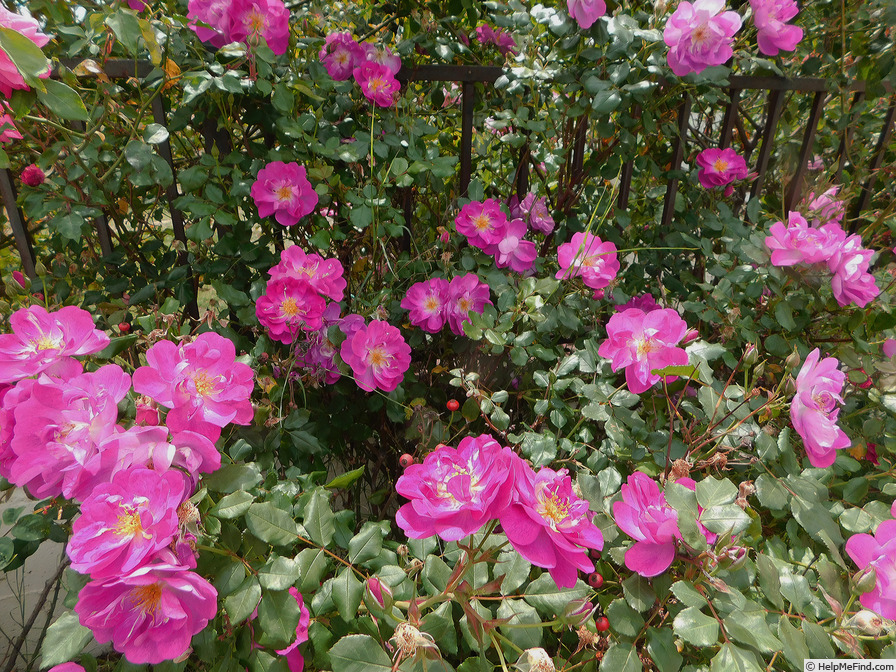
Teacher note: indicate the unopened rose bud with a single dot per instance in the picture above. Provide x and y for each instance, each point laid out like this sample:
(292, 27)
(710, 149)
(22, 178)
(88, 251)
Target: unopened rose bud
(864, 581)
(690, 335)
(759, 370)
(20, 279)
(577, 612)
(751, 356)
(378, 594)
(33, 176)
(793, 360)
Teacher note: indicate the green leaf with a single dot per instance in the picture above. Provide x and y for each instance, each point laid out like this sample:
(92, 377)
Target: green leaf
(684, 501)
(155, 134)
(818, 640)
(771, 493)
(240, 604)
(7, 551)
(713, 492)
(725, 518)
(126, 27)
(69, 226)
(731, 658)
(440, 624)
(278, 616)
(544, 595)
(794, 641)
(688, 595)
(515, 570)
(367, 544)
(271, 524)
(346, 479)
(520, 613)
(233, 477)
(638, 592)
(279, 573)
(748, 626)
(359, 653)
(26, 56)
(347, 593)
(784, 315)
(233, 505)
(695, 627)
(319, 518)
(661, 647)
(116, 346)
(626, 621)
(65, 639)
(312, 565)
(63, 101)
(769, 581)
(621, 658)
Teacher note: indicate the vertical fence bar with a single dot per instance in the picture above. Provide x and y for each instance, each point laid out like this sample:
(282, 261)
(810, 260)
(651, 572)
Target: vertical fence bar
(522, 172)
(730, 118)
(468, 104)
(578, 151)
(684, 112)
(845, 141)
(881, 149)
(796, 184)
(20, 232)
(775, 105)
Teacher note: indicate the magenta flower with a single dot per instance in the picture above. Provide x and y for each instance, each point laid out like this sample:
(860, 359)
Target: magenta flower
(8, 130)
(60, 429)
(465, 294)
(534, 210)
(889, 351)
(283, 190)
(515, 252)
(699, 36)
(484, 224)
(644, 515)
(152, 447)
(501, 39)
(202, 383)
(41, 341)
(825, 208)
(137, 5)
(294, 658)
(877, 552)
(382, 55)
(586, 12)
(719, 167)
(852, 283)
(645, 303)
(287, 307)
(10, 77)
(814, 411)
(318, 358)
(428, 304)
(591, 258)
(549, 525)
(641, 342)
(123, 524)
(33, 176)
(151, 614)
(377, 83)
(771, 17)
(215, 14)
(341, 55)
(455, 491)
(147, 411)
(257, 21)
(798, 243)
(378, 356)
(324, 275)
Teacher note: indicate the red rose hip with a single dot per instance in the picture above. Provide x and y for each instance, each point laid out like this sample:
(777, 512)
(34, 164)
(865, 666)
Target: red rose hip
(453, 405)
(602, 624)
(406, 460)
(595, 580)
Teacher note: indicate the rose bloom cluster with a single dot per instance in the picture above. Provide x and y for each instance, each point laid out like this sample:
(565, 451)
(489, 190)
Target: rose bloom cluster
(485, 225)
(454, 492)
(61, 437)
(588, 257)
(437, 302)
(374, 68)
(254, 22)
(825, 247)
(500, 38)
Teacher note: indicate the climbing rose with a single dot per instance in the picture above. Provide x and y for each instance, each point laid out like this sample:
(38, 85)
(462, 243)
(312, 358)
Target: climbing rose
(283, 190)
(427, 302)
(641, 342)
(698, 36)
(719, 167)
(798, 243)
(10, 77)
(341, 55)
(151, 614)
(814, 411)
(125, 522)
(455, 491)
(289, 306)
(294, 659)
(825, 208)
(501, 39)
(41, 341)
(378, 356)
(771, 17)
(202, 383)
(137, 5)
(591, 258)
(533, 209)
(254, 21)
(852, 283)
(33, 176)
(645, 303)
(586, 12)
(382, 55)
(377, 83)
(549, 525)
(879, 553)
(9, 131)
(214, 13)
(483, 223)
(513, 251)
(466, 294)
(644, 515)
(324, 275)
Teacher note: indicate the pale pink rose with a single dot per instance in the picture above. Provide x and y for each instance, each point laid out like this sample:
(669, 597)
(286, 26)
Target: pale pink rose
(814, 409)
(825, 208)
(283, 190)
(378, 356)
(877, 552)
(586, 12)
(798, 243)
(513, 251)
(719, 167)
(382, 55)
(215, 14)
(588, 257)
(428, 304)
(889, 348)
(771, 17)
(151, 446)
(698, 35)
(644, 515)
(852, 283)
(466, 294)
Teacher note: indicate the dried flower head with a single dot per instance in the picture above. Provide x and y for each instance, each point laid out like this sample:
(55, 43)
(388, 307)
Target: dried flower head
(408, 640)
(535, 660)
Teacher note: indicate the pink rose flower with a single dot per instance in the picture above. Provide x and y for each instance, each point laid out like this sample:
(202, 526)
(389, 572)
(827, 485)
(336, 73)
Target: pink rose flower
(257, 21)
(549, 525)
(852, 283)
(341, 55)
(318, 358)
(378, 356)
(644, 515)
(10, 77)
(465, 294)
(699, 36)
(719, 167)
(382, 55)
(152, 447)
(283, 190)
(287, 307)
(591, 258)
(202, 383)
(455, 491)
(137, 5)
(825, 208)
(324, 275)
(123, 524)
(771, 17)
(33, 176)
(215, 14)
(889, 350)
(8, 130)
(877, 552)
(151, 614)
(67, 667)
(41, 341)
(147, 411)
(483, 223)
(798, 243)
(534, 211)
(814, 411)
(377, 83)
(641, 342)
(645, 303)
(513, 251)
(428, 304)
(586, 12)
(294, 658)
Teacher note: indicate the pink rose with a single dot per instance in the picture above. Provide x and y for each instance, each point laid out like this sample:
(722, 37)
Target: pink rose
(283, 190)
(814, 409)
(378, 356)
(719, 167)
(698, 35)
